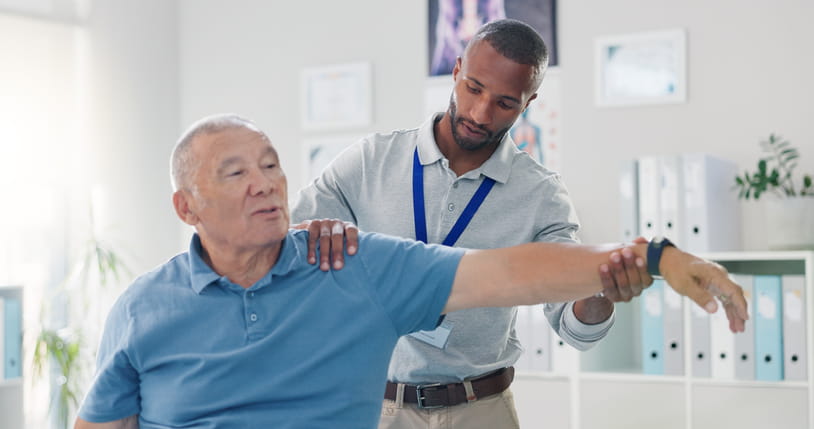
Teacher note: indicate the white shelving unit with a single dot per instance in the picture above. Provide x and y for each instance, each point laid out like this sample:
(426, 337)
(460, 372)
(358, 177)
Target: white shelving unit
(607, 390)
(11, 390)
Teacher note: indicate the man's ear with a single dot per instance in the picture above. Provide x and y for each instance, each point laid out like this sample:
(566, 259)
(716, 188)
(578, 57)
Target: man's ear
(533, 96)
(456, 69)
(181, 200)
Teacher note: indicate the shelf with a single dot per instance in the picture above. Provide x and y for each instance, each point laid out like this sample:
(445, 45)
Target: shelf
(14, 382)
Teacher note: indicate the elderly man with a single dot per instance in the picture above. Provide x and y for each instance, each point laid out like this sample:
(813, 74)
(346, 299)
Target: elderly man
(242, 332)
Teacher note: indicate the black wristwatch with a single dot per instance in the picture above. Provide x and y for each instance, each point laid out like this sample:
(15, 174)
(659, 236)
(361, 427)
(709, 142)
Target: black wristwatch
(654, 249)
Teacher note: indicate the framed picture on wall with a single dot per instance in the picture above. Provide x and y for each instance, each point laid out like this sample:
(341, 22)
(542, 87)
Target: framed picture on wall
(336, 97)
(321, 151)
(452, 23)
(642, 68)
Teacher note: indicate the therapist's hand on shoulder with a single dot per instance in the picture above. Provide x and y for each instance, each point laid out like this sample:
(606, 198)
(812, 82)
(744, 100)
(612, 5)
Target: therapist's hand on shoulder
(335, 237)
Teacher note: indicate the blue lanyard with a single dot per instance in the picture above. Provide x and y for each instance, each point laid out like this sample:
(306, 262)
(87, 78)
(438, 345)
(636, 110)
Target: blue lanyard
(461, 223)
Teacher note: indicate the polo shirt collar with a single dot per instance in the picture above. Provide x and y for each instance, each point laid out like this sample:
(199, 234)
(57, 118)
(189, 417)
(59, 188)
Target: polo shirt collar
(497, 167)
(201, 275)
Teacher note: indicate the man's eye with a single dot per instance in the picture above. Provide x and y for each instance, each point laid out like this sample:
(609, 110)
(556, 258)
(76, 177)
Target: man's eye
(271, 165)
(235, 173)
(473, 89)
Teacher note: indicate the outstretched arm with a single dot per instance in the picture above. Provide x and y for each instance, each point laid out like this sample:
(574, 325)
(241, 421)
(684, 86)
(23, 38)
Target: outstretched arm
(555, 272)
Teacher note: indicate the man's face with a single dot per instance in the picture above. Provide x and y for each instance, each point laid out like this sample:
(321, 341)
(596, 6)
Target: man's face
(490, 93)
(240, 197)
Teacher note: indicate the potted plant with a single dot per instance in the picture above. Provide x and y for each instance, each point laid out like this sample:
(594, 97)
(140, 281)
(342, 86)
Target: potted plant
(790, 206)
(68, 352)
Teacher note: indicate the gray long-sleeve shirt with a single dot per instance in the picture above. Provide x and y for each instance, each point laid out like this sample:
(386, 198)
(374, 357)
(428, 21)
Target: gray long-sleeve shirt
(370, 184)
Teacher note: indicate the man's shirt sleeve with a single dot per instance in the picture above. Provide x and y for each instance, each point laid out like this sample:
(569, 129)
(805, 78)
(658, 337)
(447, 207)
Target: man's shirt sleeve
(410, 280)
(114, 392)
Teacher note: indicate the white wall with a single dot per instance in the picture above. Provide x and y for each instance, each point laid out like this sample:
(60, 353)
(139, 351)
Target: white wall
(133, 109)
(748, 74)
(246, 57)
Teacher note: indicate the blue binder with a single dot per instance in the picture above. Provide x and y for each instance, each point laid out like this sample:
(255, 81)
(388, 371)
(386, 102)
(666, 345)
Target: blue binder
(768, 326)
(12, 338)
(652, 312)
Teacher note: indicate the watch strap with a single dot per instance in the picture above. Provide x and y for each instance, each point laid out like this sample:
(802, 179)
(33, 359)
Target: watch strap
(654, 250)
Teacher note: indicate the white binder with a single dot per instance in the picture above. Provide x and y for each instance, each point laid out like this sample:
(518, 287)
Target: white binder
(794, 328)
(700, 352)
(722, 345)
(745, 341)
(2, 339)
(671, 199)
(712, 215)
(541, 333)
(649, 197)
(673, 317)
(522, 330)
(564, 358)
(629, 200)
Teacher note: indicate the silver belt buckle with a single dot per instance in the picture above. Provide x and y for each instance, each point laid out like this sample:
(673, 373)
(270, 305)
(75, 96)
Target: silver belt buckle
(419, 395)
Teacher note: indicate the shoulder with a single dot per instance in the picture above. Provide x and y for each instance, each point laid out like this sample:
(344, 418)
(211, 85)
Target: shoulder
(156, 283)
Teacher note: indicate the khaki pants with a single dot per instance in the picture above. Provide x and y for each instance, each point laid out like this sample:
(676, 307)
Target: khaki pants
(493, 412)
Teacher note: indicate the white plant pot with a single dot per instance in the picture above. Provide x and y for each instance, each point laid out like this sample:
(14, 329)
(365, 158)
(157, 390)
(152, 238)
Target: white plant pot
(790, 223)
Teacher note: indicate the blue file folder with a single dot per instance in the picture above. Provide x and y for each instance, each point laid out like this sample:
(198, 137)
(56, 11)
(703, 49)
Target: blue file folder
(652, 311)
(768, 328)
(12, 338)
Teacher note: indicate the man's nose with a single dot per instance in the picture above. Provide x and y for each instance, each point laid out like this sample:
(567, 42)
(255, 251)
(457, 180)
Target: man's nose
(260, 182)
(481, 112)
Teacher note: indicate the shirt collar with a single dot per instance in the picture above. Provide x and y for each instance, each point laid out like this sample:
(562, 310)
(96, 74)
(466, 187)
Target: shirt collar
(202, 275)
(497, 167)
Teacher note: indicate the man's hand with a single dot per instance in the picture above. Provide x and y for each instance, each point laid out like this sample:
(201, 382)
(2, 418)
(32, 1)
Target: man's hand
(702, 281)
(331, 234)
(625, 276)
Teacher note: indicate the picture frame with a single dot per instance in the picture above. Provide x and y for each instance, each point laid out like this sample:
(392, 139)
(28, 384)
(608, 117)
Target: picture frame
(336, 96)
(641, 68)
(320, 151)
(452, 23)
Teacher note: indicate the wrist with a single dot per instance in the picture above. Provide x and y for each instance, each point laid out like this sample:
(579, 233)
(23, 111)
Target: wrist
(655, 253)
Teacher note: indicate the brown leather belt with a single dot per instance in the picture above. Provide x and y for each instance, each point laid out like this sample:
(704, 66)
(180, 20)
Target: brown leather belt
(446, 395)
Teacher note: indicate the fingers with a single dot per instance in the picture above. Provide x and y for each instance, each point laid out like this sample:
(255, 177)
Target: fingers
(734, 302)
(331, 235)
(633, 272)
(609, 289)
(313, 235)
(351, 238)
(620, 278)
(337, 244)
(640, 240)
(325, 246)
(702, 281)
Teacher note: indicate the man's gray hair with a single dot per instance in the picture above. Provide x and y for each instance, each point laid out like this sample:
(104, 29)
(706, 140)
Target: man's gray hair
(182, 162)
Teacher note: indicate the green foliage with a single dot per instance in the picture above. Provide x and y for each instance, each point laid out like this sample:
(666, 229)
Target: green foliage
(61, 348)
(774, 172)
(97, 267)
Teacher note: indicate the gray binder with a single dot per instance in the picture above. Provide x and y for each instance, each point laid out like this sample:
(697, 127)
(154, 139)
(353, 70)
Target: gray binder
(629, 200)
(794, 328)
(745, 341)
(673, 332)
(700, 353)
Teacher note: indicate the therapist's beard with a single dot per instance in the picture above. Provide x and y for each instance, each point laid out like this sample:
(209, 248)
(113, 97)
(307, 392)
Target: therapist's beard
(491, 138)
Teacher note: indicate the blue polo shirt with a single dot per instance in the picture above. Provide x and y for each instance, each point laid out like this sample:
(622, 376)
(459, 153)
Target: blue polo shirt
(301, 348)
